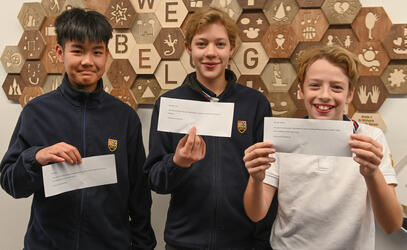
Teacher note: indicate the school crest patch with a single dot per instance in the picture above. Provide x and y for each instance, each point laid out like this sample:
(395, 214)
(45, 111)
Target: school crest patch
(241, 126)
(112, 144)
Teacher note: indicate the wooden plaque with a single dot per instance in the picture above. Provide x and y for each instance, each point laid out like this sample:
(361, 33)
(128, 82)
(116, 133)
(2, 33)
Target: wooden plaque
(310, 25)
(254, 82)
(120, 14)
(252, 26)
(146, 89)
(250, 58)
(53, 7)
(97, 5)
(69, 4)
(122, 44)
(394, 77)
(12, 59)
(343, 37)
(373, 58)
(370, 94)
(395, 42)
(294, 93)
(278, 75)
(124, 95)
(310, 3)
(121, 74)
(371, 24)
(279, 41)
(231, 7)
(33, 73)
(52, 82)
(281, 104)
(169, 43)
(13, 86)
(145, 27)
(170, 74)
(144, 58)
(341, 12)
(302, 46)
(32, 44)
(251, 4)
(31, 16)
(280, 12)
(171, 13)
(193, 5)
(372, 119)
(28, 94)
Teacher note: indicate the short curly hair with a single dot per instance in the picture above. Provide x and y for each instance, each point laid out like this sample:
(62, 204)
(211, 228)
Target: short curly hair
(208, 15)
(335, 55)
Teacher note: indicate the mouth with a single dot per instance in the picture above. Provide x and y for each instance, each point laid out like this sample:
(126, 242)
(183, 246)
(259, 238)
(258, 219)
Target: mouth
(210, 65)
(323, 108)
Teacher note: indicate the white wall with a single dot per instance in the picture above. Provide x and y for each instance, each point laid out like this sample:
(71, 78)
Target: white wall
(14, 214)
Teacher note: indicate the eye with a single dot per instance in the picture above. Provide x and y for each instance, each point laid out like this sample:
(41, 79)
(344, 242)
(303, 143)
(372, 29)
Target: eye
(200, 44)
(221, 44)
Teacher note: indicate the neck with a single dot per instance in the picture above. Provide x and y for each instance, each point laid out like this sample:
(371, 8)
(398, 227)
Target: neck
(216, 86)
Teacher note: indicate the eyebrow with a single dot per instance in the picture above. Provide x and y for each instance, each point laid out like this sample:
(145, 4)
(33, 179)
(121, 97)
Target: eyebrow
(80, 46)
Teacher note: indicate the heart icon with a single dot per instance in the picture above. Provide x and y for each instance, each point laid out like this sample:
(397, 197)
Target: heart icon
(398, 41)
(341, 7)
(126, 78)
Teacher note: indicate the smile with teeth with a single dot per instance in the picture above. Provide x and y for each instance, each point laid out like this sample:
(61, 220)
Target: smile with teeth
(323, 107)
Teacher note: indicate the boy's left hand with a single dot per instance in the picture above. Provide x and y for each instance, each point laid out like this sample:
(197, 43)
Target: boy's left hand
(368, 153)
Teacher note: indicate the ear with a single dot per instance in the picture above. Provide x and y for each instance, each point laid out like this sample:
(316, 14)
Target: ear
(187, 47)
(350, 96)
(301, 91)
(60, 53)
(232, 49)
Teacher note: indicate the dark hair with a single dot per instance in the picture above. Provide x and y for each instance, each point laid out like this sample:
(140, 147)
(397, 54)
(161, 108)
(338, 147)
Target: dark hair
(80, 25)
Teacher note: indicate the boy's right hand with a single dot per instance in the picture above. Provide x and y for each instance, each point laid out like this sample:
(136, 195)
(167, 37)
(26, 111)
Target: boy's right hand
(257, 159)
(60, 152)
(191, 148)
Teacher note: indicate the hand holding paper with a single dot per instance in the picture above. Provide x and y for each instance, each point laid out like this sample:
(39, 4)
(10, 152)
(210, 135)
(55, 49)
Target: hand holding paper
(369, 153)
(191, 148)
(93, 171)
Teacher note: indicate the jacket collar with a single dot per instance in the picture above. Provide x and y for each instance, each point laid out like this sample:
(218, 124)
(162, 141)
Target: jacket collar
(79, 97)
(193, 82)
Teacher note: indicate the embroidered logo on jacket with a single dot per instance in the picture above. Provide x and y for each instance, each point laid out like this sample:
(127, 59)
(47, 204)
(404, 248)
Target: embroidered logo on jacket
(241, 126)
(391, 159)
(112, 144)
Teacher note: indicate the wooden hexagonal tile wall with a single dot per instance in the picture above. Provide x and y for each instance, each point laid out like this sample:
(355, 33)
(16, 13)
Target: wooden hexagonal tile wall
(147, 55)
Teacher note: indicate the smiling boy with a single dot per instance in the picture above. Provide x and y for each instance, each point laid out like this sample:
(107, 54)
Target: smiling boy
(80, 120)
(205, 175)
(334, 208)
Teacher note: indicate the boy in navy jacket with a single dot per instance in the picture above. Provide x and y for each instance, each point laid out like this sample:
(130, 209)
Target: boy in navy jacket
(80, 120)
(206, 176)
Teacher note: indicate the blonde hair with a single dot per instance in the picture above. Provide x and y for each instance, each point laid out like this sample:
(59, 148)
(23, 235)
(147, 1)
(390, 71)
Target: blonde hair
(208, 15)
(336, 55)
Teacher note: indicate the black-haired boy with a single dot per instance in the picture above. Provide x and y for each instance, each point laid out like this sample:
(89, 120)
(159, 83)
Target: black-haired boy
(77, 120)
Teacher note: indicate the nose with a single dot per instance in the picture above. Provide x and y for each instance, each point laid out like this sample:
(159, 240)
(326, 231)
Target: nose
(87, 59)
(210, 50)
(325, 93)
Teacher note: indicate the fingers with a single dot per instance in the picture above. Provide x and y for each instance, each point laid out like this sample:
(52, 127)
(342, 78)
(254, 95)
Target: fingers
(191, 148)
(60, 152)
(366, 148)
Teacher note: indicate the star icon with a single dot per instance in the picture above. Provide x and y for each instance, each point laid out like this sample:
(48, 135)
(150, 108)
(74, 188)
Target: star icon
(119, 13)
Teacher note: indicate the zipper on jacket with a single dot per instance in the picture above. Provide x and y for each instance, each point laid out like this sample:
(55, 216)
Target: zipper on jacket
(82, 190)
(213, 244)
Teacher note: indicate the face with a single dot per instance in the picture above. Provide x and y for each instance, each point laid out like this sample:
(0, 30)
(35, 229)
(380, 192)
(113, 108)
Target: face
(84, 63)
(325, 91)
(210, 51)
